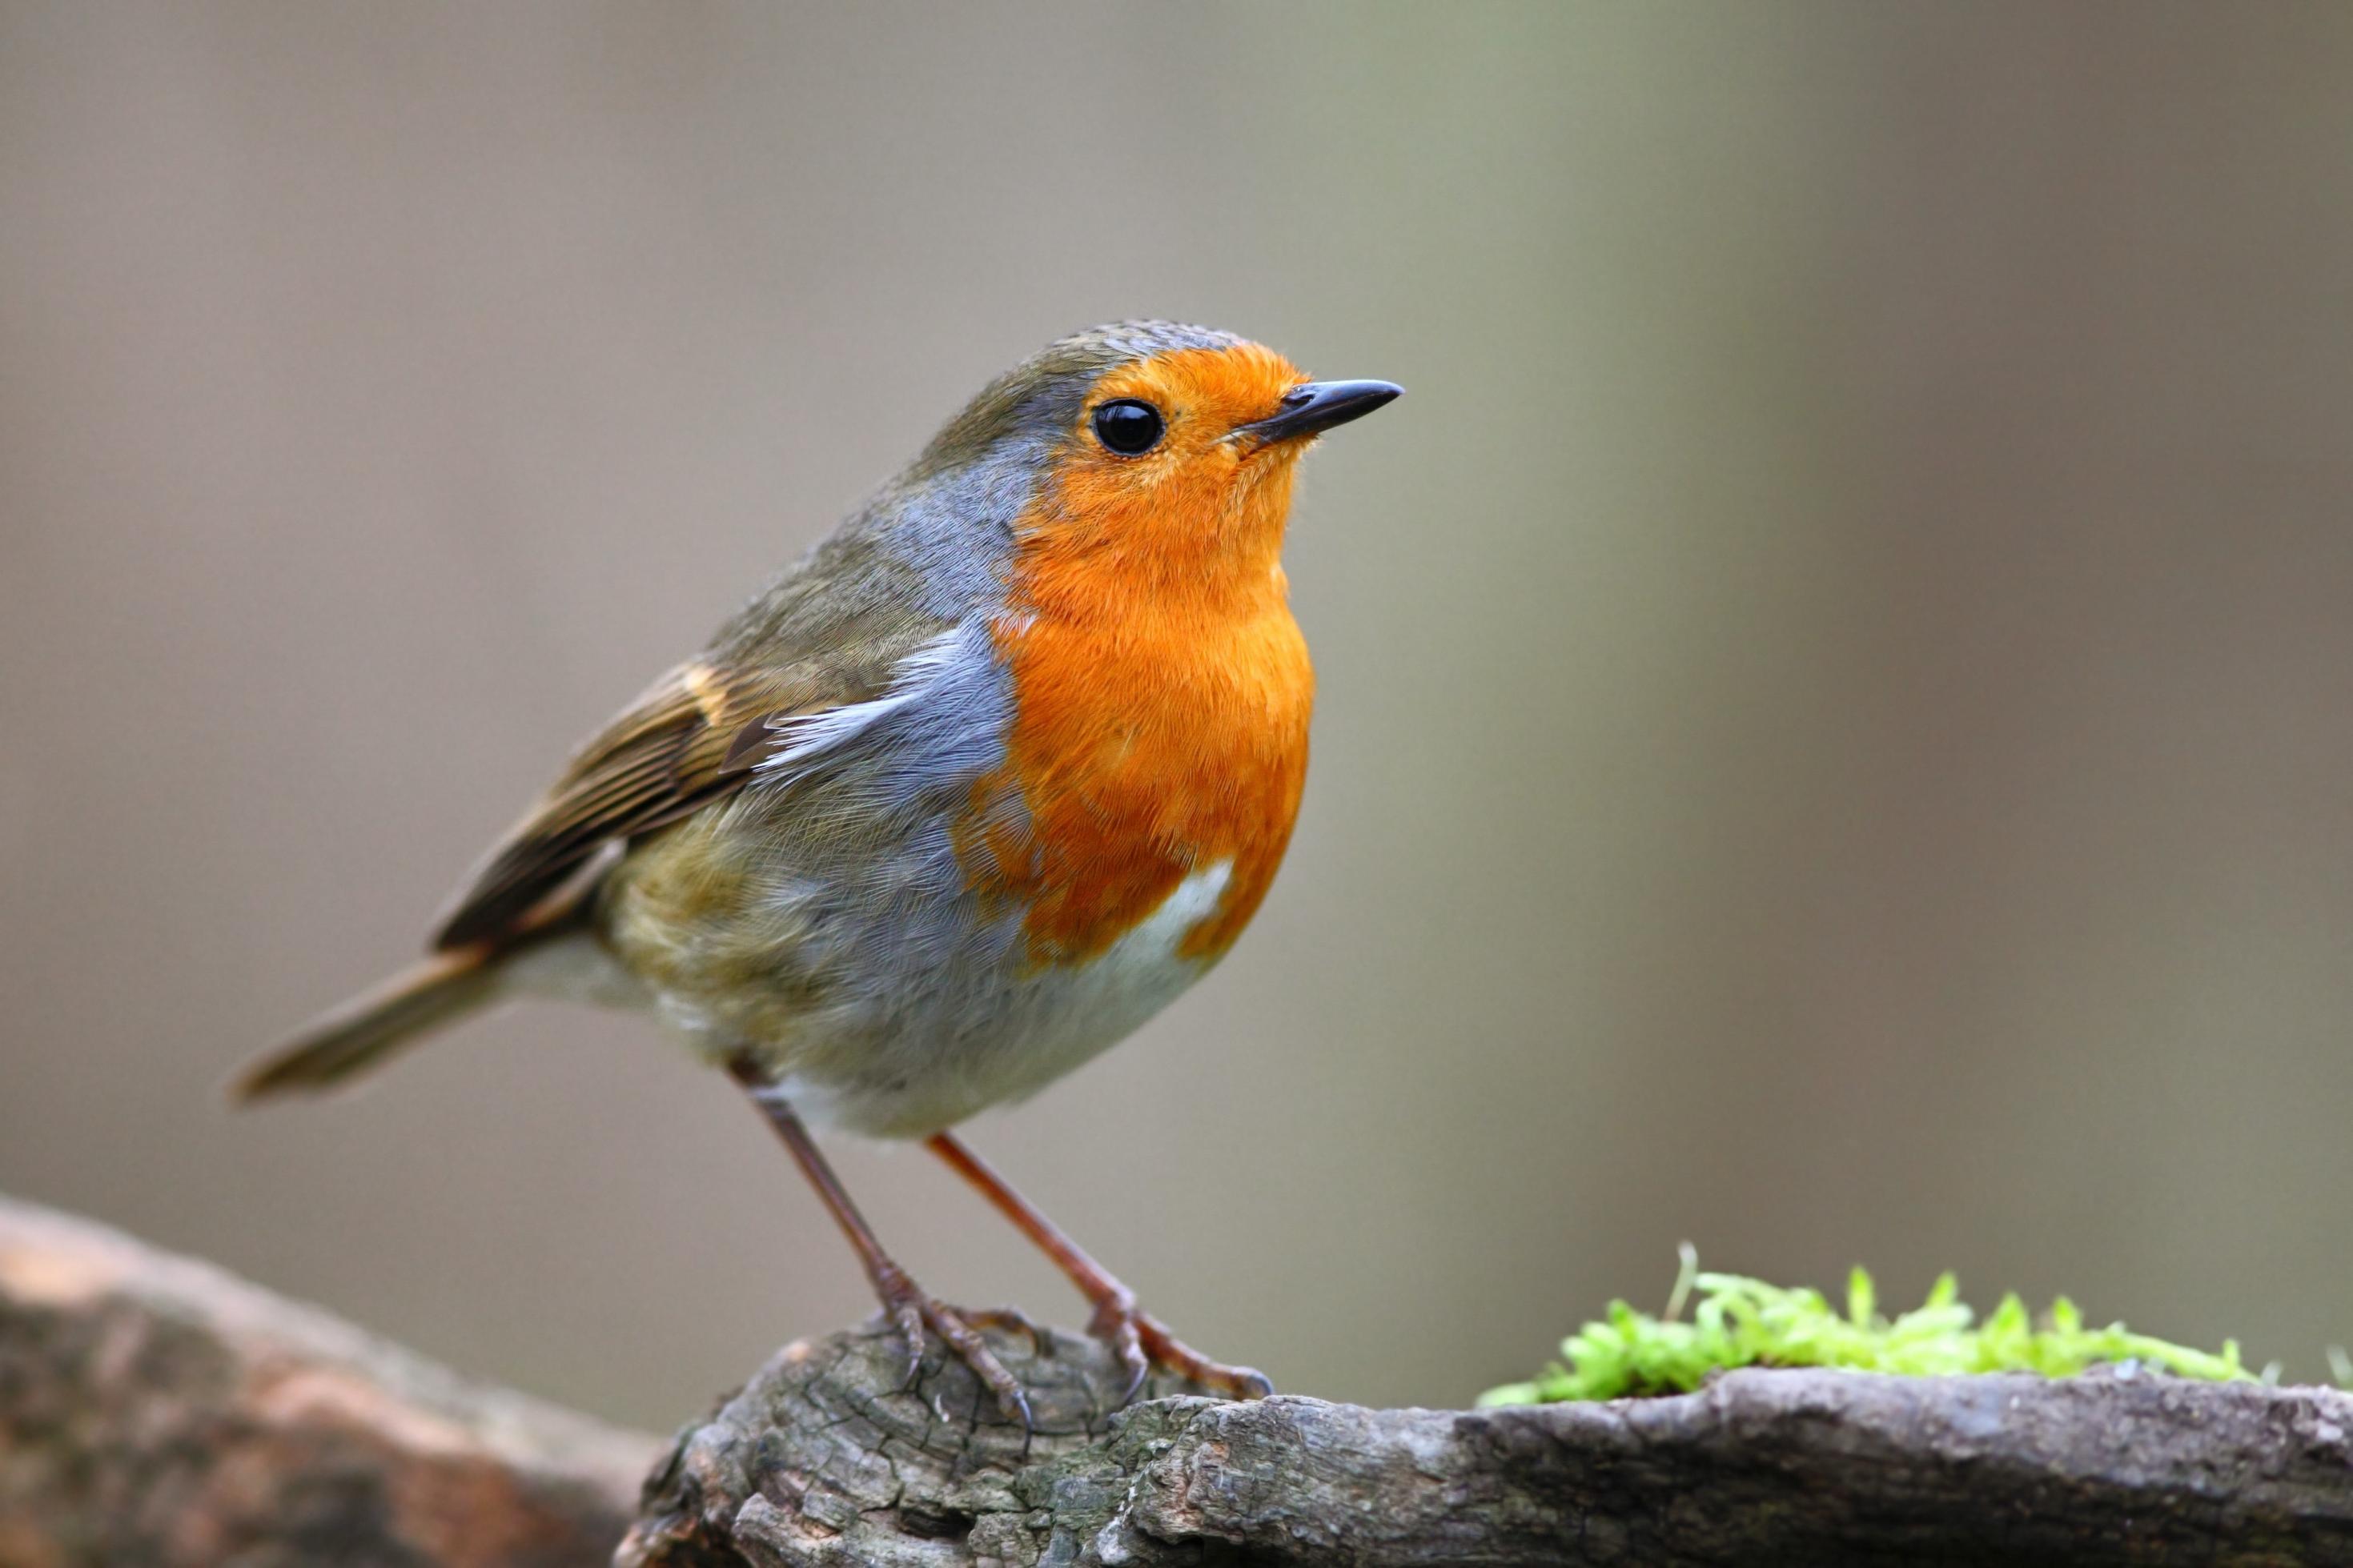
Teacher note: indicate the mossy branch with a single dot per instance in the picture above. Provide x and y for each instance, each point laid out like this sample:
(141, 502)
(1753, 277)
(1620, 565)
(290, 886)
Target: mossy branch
(155, 1410)
(1740, 1321)
(825, 1458)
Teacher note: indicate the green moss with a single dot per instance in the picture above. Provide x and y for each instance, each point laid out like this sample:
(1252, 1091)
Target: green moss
(1738, 1322)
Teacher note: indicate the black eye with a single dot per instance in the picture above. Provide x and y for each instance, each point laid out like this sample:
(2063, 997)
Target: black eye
(1129, 425)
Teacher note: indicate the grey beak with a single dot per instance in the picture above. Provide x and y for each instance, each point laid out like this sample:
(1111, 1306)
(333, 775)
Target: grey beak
(1318, 406)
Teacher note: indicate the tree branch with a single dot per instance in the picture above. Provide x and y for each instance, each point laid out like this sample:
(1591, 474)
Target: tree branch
(154, 1410)
(823, 1460)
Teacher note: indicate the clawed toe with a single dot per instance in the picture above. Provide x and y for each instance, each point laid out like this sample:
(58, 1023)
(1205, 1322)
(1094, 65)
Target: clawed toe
(912, 1312)
(907, 1318)
(1007, 1319)
(1143, 1341)
(1114, 1324)
(1140, 1341)
(962, 1338)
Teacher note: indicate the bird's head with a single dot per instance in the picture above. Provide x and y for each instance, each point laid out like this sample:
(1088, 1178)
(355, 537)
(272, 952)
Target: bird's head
(1154, 451)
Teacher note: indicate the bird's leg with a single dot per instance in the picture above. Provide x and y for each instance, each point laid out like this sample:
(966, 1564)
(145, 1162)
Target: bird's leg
(910, 1308)
(1141, 1341)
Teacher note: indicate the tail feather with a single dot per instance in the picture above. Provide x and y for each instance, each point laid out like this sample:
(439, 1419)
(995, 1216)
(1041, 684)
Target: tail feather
(365, 1030)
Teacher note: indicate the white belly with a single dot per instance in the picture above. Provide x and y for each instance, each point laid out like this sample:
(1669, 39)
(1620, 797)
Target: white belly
(905, 1063)
(1050, 1021)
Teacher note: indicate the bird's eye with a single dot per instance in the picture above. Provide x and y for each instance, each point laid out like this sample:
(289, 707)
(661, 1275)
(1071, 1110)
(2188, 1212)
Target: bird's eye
(1129, 425)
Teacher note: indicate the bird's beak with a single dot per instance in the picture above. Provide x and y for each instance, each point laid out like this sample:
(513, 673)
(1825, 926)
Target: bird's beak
(1314, 407)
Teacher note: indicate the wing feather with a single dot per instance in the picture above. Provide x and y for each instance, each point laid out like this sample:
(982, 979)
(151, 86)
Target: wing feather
(700, 732)
(696, 736)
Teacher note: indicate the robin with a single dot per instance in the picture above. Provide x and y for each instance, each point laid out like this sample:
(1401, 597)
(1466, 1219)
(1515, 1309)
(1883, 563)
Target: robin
(1001, 766)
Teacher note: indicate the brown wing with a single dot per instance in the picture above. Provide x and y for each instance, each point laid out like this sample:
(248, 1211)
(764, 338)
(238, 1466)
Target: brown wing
(691, 740)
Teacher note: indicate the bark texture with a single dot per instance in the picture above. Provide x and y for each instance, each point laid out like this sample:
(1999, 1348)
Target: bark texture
(155, 1411)
(826, 1458)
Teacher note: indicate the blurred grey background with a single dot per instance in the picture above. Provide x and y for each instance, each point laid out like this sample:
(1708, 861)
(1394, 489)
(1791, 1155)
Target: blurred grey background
(1837, 722)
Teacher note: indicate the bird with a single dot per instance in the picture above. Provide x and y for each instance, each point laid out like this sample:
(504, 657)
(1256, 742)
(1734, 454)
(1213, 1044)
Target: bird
(984, 780)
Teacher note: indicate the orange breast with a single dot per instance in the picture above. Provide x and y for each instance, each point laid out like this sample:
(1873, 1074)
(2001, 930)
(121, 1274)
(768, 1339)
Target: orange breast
(1157, 730)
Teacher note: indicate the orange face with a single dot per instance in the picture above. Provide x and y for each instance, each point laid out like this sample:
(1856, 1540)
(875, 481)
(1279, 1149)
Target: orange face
(1204, 506)
(1162, 688)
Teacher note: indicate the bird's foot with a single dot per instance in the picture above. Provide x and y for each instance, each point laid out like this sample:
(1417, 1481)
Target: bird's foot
(912, 1311)
(1143, 1341)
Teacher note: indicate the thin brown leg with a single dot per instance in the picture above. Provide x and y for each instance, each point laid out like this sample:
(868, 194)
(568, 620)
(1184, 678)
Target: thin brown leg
(909, 1307)
(1142, 1341)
